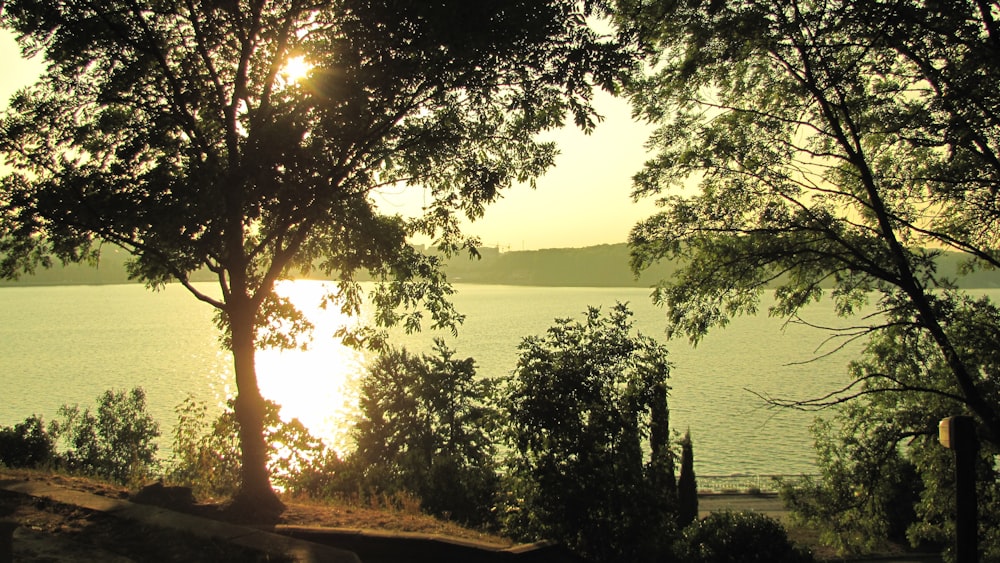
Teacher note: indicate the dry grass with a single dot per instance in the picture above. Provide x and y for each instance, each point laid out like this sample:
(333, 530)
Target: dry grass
(399, 513)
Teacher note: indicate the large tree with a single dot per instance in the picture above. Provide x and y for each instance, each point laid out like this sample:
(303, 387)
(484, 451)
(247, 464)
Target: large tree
(823, 146)
(882, 472)
(176, 130)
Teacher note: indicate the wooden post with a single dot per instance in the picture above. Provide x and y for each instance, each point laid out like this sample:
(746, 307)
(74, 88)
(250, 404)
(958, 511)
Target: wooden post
(958, 433)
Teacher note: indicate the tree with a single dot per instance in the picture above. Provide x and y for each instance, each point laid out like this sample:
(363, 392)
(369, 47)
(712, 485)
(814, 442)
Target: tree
(426, 427)
(836, 147)
(175, 130)
(883, 474)
(579, 409)
(687, 485)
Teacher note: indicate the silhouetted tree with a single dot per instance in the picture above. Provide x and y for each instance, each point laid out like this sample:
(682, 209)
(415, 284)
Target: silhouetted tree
(578, 413)
(835, 145)
(172, 130)
(882, 472)
(425, 427)
(837, 148)
(661, 457)
(687, 485)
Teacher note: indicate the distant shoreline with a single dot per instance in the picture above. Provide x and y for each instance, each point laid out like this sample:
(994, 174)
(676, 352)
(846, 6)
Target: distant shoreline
(600, 266)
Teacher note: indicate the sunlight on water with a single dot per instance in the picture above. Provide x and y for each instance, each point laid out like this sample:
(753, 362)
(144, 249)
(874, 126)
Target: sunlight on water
(316, 385)
(68, 344)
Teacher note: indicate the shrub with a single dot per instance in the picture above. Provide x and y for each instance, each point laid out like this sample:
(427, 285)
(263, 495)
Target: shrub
(26, 444)
(737, 537)
(425, 429)
(116, 442)
(585, 402)
(206, 453)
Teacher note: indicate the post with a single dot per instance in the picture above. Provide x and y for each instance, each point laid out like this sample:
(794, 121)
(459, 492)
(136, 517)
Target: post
(958, 433)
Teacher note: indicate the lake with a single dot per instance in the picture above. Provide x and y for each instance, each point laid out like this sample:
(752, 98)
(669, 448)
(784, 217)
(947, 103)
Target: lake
(67, 344)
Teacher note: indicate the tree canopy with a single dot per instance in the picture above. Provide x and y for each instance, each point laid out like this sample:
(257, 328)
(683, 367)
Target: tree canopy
(806, 146)
(837, 148)
(882, 472)
(175, 130)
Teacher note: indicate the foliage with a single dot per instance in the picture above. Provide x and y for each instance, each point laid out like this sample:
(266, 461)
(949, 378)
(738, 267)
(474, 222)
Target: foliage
(687, 485)
(206, 452)
(737, 537)
(837, 147)
(425, 427)
(578, 413)
(832, 147)
(116, 442)
(26, 444)
(170, 129)
(883, 473)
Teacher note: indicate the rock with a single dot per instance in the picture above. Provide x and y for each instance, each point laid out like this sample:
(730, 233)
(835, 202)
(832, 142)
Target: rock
(159, 494)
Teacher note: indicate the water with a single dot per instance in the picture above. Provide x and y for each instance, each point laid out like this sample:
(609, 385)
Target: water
(65, 345)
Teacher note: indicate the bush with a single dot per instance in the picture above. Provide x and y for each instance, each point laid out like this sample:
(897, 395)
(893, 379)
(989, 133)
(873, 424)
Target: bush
(585, 404)
(206, 453)
(115, 443)
(26, 444)
(737, 537)
(425, 430)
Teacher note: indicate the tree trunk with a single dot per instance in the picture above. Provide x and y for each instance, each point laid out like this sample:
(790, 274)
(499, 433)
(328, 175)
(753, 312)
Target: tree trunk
(256, 498)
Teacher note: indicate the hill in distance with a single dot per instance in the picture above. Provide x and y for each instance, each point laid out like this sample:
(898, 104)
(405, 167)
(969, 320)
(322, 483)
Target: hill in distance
(605, 265)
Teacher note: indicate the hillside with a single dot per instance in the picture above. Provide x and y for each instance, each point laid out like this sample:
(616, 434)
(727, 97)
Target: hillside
(604, 265)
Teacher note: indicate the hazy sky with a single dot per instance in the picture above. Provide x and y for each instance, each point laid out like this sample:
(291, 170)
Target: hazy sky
(583, 201)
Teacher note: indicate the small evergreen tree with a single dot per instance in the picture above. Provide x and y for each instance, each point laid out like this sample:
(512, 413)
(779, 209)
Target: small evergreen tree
(687, 485)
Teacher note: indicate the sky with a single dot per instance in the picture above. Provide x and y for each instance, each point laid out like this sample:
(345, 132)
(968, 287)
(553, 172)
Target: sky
(583, 201)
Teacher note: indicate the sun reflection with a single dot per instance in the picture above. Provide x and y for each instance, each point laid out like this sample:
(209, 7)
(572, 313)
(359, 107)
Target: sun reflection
(318, 385)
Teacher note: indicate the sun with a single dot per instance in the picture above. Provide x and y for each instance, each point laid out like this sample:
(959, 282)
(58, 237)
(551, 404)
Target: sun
(295, 69)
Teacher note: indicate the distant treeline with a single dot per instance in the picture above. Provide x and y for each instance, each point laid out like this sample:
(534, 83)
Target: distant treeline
(605, 265)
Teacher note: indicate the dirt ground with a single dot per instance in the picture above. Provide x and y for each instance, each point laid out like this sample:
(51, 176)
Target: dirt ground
(52, 532)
